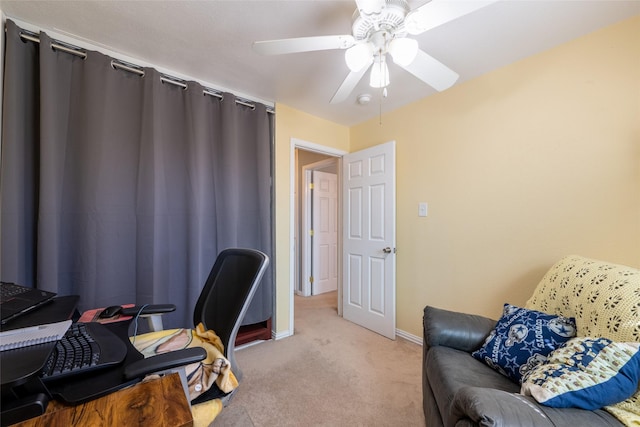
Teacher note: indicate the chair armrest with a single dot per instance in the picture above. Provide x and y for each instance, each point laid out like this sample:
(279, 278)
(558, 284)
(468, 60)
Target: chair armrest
(461, 331)
(164, 361)
(148, 309)
(152, 312)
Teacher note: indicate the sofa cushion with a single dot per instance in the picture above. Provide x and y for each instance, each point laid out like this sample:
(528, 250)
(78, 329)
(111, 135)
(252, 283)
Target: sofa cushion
(604, 298)
(586, 373)
(522, 339)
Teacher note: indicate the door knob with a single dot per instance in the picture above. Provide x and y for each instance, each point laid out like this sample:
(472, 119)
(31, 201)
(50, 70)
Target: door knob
(387, 250)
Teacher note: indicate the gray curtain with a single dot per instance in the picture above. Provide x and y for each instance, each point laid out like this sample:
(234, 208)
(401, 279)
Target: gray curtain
(123, 189)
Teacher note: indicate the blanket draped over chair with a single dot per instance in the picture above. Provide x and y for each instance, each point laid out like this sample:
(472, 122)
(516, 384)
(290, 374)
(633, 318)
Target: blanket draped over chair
(201, 375)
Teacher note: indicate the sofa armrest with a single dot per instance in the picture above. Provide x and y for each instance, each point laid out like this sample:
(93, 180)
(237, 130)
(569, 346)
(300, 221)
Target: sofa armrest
(461, 331)
(489, 407)
(497, 408)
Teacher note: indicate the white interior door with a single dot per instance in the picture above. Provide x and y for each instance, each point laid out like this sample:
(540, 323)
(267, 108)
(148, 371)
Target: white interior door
(369, 288)
(325, 233)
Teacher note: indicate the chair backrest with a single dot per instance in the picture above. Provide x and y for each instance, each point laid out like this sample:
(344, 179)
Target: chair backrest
(227, 293)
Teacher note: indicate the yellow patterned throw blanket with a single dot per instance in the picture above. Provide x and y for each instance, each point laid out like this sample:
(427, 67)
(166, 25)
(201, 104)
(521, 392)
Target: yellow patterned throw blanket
(201, 375)
(604, 298)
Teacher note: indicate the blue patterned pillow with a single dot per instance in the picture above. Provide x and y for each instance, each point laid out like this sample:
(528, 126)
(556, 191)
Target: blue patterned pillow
(522, 339)
(586, 373)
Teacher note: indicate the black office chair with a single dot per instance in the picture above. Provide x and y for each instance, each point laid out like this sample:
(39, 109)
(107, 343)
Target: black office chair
(224, 301)
(226, 296)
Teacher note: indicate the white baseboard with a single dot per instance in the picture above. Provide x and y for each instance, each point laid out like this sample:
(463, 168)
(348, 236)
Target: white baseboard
(409, 337)
(280, 335)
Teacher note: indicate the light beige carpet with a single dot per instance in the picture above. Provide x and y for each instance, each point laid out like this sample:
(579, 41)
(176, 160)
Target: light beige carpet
(331, 372)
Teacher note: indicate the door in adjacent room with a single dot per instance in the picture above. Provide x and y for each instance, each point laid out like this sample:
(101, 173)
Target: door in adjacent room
(324, 246)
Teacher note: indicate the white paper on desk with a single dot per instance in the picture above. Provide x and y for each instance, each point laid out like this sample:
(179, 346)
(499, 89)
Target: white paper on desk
(23, 337)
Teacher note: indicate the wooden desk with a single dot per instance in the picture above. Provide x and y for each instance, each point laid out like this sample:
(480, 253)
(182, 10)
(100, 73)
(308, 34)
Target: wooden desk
(159, 402)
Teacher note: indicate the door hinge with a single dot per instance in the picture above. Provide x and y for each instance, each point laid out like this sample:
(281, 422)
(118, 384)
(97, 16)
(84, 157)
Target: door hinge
(311, 186)
(310, 279)
(310, 232)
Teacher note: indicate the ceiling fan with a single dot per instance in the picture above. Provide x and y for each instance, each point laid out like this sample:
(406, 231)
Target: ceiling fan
(381, 27)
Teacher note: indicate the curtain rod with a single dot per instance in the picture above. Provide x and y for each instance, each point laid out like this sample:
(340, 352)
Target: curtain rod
(136, 69)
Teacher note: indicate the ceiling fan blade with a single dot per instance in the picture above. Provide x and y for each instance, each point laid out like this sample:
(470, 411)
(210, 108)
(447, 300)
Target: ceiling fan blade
(348, 85)
(303, 44)
(438, 12)
(370, 7)
(432, 72)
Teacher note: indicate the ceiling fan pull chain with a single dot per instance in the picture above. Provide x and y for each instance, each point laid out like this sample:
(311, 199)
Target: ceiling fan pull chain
(382, 94)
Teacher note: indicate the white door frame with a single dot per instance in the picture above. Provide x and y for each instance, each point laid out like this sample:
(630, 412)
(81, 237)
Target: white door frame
(308, 146)
(304, 245)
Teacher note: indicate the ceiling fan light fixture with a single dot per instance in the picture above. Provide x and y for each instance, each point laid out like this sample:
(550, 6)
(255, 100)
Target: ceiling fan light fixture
(403, 50)
(379, 74)
(358, 56)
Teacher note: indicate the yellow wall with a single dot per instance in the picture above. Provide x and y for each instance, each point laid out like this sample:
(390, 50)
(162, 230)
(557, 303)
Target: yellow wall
(520, 167)
(291, 123)
(524, 165)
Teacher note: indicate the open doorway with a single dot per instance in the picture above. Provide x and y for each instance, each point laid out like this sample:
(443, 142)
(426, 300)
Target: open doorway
(316, 223)
(304, 153)
(370, 183)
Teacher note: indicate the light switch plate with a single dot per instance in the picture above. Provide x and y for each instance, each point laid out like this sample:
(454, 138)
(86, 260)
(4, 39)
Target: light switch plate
(422, 209)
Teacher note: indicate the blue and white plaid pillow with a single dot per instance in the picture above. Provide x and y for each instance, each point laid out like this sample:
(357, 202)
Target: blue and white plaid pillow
(522, 339)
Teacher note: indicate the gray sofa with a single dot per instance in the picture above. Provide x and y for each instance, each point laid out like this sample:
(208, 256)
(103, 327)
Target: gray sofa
(459, 390)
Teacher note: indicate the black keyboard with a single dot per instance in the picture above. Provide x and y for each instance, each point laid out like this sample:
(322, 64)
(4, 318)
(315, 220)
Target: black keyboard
(11, 290)
(85, 347)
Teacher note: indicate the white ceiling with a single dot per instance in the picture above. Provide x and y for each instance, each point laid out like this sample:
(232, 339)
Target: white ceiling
(210, 41)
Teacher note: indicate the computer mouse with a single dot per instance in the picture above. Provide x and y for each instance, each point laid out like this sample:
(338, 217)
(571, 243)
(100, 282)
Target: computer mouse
(110, 311)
